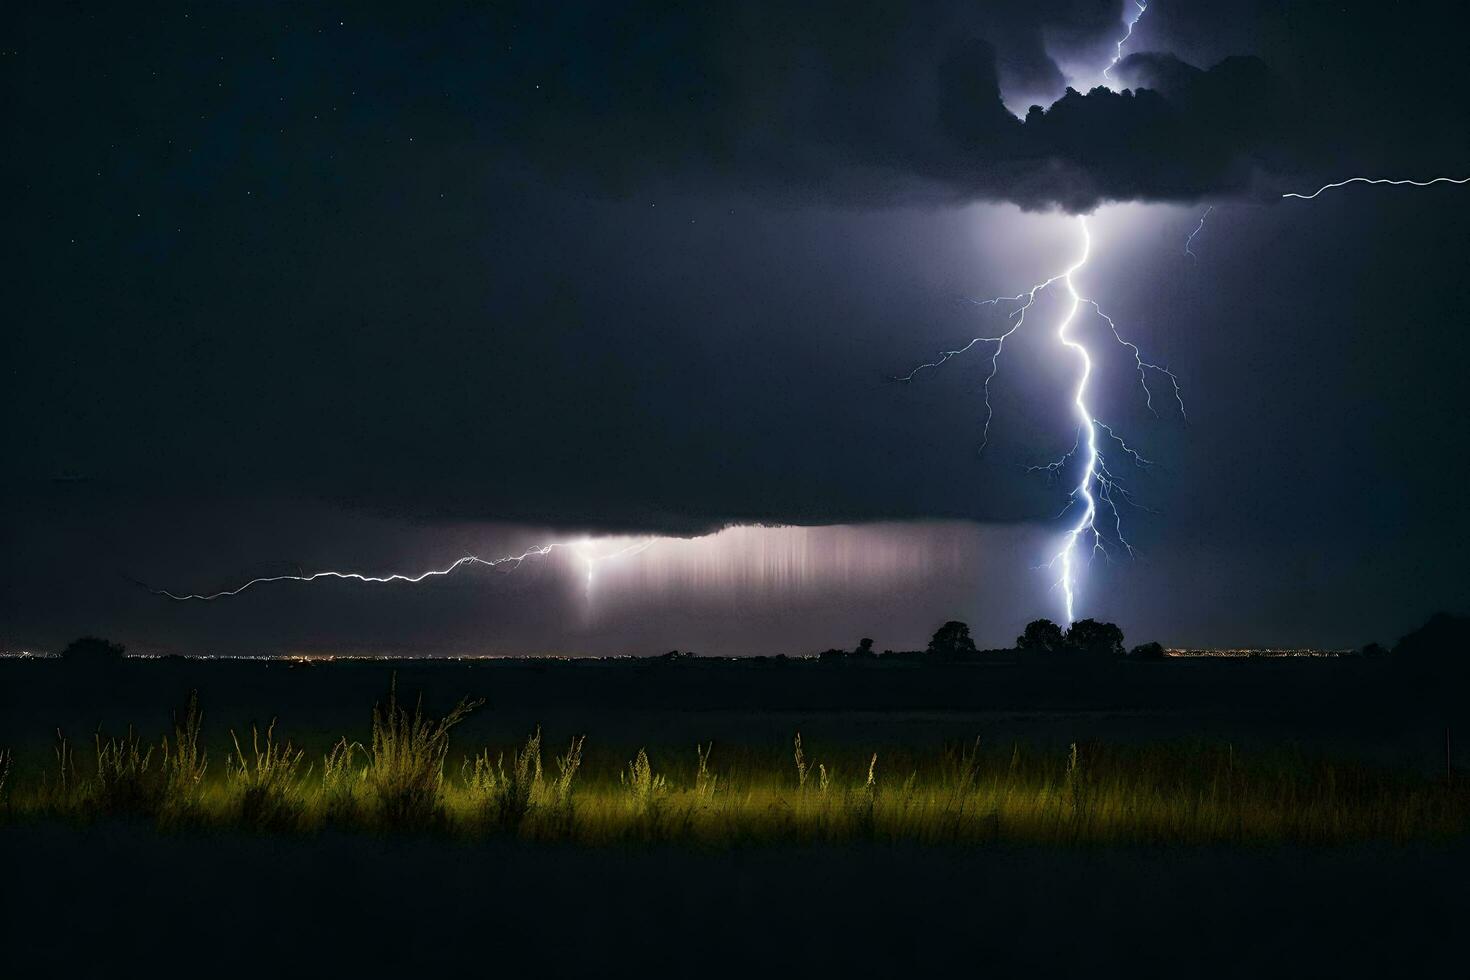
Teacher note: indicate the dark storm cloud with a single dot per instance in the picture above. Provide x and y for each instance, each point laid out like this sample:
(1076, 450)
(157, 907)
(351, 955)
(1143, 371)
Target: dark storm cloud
(874, 116)
(881, 104)
(446, 262)
(570, 264)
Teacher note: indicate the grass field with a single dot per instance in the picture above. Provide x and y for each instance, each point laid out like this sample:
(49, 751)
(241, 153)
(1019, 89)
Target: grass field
(411, 774)
(1218, 818)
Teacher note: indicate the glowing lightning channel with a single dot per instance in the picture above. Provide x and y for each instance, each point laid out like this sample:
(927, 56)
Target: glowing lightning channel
(1189, 242)
(1380, 180)
(579, 546)
(1097, 489)
(1088, 520)
(1118, 54)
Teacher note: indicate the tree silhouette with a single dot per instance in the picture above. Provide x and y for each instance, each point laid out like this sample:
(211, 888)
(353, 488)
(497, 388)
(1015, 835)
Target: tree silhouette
(1088, 636)
(1437, 651)
(1041, 636)
(92, 651)
(1147, 651)
(952, 642)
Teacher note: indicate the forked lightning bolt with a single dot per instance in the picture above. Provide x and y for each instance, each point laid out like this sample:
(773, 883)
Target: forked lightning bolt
(1096, 487)
(578, 546)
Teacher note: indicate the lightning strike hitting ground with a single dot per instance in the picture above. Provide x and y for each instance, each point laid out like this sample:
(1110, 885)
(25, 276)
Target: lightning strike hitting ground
(1096, 487)
(579, 547)
(1380, 180)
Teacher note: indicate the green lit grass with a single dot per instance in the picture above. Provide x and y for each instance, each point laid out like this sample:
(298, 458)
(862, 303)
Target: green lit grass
(408, 778)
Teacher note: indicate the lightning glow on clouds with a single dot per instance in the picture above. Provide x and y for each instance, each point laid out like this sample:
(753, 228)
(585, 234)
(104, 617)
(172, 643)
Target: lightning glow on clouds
(741, 559)
(591, 552)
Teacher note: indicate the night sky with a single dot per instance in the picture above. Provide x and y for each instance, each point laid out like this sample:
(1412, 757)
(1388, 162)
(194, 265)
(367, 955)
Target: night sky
(292, 288)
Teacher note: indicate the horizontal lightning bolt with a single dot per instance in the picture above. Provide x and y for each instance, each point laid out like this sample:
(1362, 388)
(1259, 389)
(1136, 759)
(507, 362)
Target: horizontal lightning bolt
(1381, 180)
(578, 546)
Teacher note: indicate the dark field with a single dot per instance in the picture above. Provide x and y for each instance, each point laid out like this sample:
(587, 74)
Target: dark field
(1347, 707)
(1357, 893)
(120, 901)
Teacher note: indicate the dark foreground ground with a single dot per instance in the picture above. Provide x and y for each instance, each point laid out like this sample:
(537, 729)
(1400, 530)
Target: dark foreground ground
(1358, 709)
(122, 901)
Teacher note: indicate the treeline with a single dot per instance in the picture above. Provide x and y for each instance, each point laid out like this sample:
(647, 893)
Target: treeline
(1437, 650)
(951, 643)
